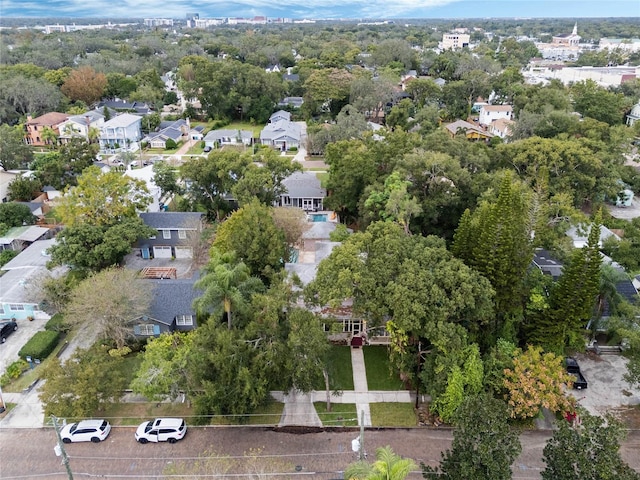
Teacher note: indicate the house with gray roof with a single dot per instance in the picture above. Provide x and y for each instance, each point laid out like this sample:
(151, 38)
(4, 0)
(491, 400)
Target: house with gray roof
(303, 190)
(79, 126)
(292, 102)
(281, 134)
(222, 137)
(175, 232)
(120, 132)
(171, 308)
(280, 115)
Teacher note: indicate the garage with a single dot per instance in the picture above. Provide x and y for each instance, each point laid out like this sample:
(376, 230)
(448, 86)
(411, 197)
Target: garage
(162, 252)
(184, 252)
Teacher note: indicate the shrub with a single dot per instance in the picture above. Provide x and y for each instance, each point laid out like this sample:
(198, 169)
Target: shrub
(170, 144)
(14, 371)
(293, 149)
(40, 345)
(57, 324)
(7, 255)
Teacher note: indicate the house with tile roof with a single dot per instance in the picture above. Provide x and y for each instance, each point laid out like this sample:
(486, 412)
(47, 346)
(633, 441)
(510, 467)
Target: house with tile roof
(36, 126)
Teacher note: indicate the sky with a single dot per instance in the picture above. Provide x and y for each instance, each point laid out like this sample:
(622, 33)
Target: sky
(321, 9)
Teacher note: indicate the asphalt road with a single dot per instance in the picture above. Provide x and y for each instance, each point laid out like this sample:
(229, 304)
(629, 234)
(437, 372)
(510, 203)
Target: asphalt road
(241, 452)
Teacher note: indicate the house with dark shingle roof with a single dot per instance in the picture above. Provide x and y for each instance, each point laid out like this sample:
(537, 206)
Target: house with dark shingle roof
(171, 308)
(303, 190)
(175, 230)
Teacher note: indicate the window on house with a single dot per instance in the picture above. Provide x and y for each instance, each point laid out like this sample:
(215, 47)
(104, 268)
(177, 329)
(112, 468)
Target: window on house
(146, 329)
(16, 307)
(182, 234)
(1, 310)
(184, 320)
(166, 234)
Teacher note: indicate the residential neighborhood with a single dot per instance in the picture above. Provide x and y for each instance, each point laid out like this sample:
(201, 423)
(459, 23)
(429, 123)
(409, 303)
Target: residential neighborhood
(360, 227)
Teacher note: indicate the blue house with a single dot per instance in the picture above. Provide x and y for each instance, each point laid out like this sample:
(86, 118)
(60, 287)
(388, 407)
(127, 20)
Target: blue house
(17, 311)
(171, 308)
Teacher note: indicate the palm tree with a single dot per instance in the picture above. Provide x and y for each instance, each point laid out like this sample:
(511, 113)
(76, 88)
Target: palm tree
(49, 136)
(388, 466)
(226, 284)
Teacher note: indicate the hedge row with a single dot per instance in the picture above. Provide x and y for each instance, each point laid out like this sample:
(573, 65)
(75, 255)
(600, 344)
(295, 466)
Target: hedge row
(40, 345)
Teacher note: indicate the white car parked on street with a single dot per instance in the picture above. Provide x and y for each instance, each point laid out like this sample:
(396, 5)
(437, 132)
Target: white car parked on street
(161, 430)
(85, 431)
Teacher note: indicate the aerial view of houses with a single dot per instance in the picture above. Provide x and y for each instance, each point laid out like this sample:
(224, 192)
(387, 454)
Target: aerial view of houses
(415, 238)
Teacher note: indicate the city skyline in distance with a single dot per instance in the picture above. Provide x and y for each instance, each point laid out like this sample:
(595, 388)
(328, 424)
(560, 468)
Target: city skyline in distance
(322, 9)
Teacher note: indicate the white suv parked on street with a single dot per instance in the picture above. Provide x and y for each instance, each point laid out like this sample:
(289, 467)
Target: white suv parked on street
(161, 430)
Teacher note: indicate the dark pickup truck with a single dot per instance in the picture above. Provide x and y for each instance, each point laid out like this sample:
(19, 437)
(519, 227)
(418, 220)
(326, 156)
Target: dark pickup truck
(573, 368)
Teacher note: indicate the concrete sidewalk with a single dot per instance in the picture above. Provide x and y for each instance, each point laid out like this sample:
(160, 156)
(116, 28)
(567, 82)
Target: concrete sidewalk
(298, 407)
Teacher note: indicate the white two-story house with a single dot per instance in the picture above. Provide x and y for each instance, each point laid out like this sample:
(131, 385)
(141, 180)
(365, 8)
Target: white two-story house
(120, 132)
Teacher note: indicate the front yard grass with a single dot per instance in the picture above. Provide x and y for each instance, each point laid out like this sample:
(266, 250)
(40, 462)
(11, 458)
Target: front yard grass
(341, 414)
(379, 376)
(134, 413)
(393, 415)
(341, 372)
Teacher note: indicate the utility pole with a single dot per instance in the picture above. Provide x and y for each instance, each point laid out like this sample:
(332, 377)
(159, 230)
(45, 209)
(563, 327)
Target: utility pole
(65, 459)
(362, 454)
(3, 406)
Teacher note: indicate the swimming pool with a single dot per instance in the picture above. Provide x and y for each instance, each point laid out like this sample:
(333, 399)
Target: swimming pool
(318, 217)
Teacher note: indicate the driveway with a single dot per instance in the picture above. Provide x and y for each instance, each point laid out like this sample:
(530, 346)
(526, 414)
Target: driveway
(626, 213)
(607, 390)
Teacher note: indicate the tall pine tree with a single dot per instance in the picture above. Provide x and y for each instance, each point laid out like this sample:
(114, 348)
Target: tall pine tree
(573, 297)
(496, 239)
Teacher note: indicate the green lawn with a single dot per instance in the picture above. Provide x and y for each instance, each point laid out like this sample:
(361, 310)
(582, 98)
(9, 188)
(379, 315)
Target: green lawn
(323, 177)
(341, 373)
(379, 377)
(393, 415)
(136, 413)
(256, 129)
(341, 414)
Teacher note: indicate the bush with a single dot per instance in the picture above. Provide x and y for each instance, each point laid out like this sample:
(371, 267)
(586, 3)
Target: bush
(7, 255)
(40, 345)
(14, 371)
(293, 149)
(170, 144)
(57, 324)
